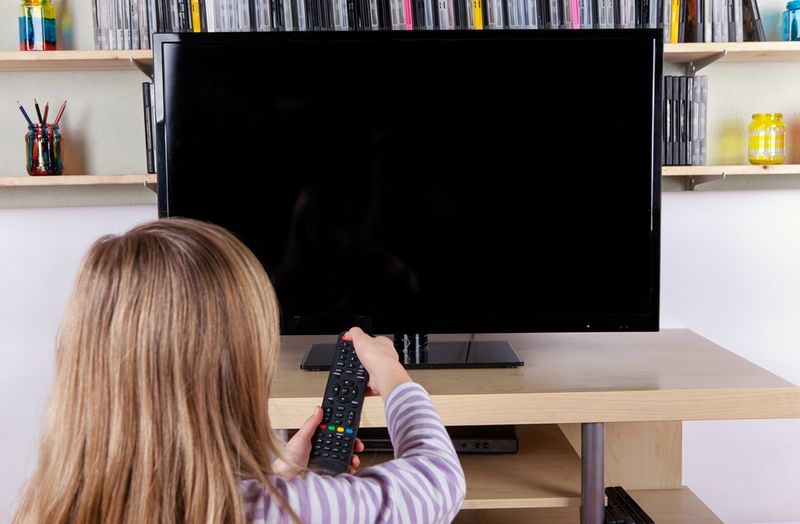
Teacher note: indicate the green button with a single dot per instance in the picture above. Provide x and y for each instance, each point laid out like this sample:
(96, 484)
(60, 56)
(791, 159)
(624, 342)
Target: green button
(331, 428)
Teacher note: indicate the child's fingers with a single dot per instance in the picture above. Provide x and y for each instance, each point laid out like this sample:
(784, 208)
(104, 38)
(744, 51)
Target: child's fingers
(310, 425)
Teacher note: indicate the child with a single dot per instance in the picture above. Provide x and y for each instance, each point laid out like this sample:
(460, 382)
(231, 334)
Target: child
(159, 410)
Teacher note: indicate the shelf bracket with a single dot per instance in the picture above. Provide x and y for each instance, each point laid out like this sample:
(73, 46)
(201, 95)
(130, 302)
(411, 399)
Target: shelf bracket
(144, 67)
(151, 186)
(693, 66)
(692, 181)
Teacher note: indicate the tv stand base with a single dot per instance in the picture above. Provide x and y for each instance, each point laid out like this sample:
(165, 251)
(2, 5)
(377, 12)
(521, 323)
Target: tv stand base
(436, 355)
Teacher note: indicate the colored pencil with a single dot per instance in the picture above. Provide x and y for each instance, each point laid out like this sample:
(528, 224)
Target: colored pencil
(38, 112)
(25, 114)
(60, 112)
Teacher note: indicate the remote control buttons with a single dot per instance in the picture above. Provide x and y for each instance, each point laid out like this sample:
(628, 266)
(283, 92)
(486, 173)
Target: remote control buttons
(342, 404)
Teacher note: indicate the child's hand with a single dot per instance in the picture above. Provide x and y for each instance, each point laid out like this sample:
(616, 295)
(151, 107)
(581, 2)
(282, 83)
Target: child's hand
(380, 359)
(298, 449)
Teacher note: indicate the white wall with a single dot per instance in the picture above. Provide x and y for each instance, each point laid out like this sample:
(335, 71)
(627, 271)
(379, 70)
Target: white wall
(39, 253)
(730, 271)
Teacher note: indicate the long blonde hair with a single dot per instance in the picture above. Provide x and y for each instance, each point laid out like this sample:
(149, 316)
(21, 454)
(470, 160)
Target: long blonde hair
(164, 363)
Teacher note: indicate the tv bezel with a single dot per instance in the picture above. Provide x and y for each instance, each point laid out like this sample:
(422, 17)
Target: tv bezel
(593, 322)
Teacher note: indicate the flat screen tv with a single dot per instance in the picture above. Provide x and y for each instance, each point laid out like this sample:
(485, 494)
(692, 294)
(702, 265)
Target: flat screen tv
(425, 182)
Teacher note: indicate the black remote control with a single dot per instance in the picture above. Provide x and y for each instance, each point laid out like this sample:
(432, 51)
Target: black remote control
(332, 444)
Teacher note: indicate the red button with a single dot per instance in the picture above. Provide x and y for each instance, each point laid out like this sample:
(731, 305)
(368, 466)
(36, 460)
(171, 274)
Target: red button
(345, 338)
(323, 426)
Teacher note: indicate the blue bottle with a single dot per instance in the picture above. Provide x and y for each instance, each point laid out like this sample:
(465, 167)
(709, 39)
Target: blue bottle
(791, 21)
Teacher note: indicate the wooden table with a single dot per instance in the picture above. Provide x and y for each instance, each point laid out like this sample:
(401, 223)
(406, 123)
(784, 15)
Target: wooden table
(641, 386)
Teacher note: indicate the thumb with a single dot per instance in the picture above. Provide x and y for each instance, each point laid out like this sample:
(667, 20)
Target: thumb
(310, 425)
(355, 332)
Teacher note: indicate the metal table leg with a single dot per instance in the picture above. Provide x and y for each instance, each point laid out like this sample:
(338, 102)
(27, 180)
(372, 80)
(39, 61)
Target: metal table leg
(592, 473)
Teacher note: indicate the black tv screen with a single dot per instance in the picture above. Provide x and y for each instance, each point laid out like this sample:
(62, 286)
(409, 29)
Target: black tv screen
(425, 181)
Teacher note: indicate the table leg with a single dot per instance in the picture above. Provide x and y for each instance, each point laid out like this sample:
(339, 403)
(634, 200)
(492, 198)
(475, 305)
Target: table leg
(592, 473)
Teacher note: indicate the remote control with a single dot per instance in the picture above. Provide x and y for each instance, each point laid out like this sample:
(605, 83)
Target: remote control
(332, 444)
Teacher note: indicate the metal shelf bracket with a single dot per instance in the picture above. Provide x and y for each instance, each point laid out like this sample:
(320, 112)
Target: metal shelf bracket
(694, 66)
(692, 181)
(144, 67)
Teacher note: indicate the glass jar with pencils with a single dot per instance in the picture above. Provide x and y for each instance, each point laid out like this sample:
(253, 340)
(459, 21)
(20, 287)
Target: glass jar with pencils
(37, 26)
(43, 142)
(43, 150)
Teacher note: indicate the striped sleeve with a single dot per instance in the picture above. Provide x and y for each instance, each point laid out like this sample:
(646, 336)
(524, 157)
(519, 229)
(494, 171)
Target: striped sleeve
(423, 484)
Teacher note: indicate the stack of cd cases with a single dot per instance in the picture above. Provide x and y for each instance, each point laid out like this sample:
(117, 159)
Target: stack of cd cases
(129, 24)
(712, 21)
(684, 120)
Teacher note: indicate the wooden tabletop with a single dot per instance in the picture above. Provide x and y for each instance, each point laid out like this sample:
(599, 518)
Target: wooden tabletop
(571, 377)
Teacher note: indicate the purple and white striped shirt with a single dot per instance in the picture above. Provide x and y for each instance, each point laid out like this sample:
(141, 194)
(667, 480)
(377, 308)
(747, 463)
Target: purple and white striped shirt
(423, 484)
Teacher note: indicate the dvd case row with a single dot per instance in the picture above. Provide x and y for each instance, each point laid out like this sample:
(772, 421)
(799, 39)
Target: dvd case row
(129, 24)
(684, 120)
(712, 21)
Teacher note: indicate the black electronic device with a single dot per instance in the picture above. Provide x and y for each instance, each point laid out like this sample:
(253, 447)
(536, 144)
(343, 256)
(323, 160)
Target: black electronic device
(622, 509)
(387, 179)
(466, 439)
(332, 443)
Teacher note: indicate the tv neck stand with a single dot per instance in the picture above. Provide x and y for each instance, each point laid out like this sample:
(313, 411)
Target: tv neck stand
(417, 352)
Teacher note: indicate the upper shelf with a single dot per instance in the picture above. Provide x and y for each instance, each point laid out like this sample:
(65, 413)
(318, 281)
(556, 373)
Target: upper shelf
(734, 52)
(77, 180)
(126, 60)
(73, 60)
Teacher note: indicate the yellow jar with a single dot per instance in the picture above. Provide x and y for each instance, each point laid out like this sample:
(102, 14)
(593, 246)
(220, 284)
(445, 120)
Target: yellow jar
(767, 134)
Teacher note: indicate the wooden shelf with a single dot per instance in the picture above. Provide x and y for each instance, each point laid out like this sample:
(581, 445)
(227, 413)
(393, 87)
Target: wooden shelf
(746, 170)
(73, 60)
(545, 473)
(735, 52)
(665, 506)
(570, 377)
(123, 60)
(76, 180)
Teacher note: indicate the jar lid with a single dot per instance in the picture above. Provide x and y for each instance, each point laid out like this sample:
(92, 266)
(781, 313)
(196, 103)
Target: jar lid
(794, 4)
(769, 116)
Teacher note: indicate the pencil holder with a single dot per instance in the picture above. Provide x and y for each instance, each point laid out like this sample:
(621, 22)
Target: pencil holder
(43, 150)
(37, 26)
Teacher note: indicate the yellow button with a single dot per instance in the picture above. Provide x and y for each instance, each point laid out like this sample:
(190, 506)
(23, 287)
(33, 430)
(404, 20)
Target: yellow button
(340, 429)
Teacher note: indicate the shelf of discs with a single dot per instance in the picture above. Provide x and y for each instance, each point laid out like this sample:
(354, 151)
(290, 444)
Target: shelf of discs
(128, 24)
